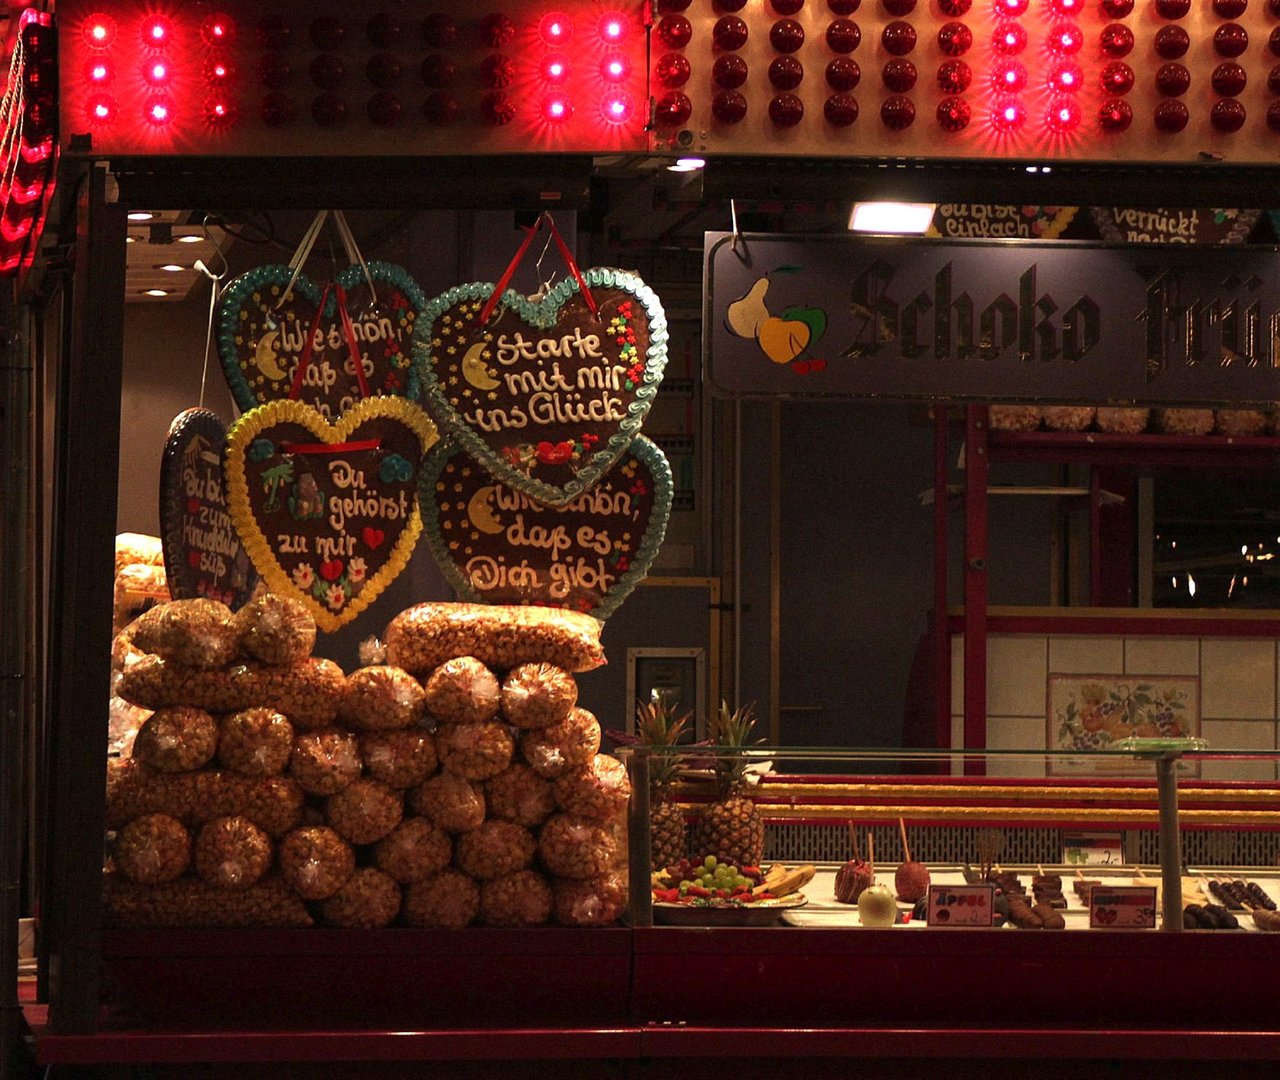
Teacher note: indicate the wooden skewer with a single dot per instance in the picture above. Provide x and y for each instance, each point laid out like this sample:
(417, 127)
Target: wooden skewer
(1079, 873)
(906, 850)
(871, 853)
(853, 840)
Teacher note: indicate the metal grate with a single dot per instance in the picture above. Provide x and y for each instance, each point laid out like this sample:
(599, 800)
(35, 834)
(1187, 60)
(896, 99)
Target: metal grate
(799, 842)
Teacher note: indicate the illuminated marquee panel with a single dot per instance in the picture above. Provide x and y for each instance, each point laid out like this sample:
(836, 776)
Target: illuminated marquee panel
(246, 78)
(1043, 80)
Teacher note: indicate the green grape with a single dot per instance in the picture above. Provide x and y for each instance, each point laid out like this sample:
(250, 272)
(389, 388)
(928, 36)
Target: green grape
(709, 862)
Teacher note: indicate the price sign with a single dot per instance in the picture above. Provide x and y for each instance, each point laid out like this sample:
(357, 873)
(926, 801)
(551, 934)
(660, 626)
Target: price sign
(1123, 907)
(1092, 849)
(960, 905)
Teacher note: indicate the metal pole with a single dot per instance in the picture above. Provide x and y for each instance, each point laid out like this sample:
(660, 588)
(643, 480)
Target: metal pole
(1170, 842)
(639, 846)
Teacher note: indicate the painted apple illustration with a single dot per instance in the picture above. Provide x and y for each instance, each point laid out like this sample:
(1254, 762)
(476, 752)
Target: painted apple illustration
(785, 338)
(782, 340)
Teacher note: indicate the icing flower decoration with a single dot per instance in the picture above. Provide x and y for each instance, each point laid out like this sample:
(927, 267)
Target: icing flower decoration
(260, 450)
(335, 597)
(303, 576)
(395, 468)
(639, 488)
(356, 569)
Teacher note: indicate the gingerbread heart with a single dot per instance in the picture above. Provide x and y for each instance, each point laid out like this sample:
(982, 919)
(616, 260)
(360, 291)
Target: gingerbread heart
(545, 395)
(261, 338)
(327, 512)
(498, 546)
(203, 556)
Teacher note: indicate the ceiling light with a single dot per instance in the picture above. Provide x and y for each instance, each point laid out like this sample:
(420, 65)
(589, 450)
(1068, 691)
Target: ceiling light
(687, 164)
(155, 292)
(141, 215)
(190, 238)
(891, 217)
(173, 268)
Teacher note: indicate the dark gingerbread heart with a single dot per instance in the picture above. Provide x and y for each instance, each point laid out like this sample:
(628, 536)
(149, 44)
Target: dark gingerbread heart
(498, 546)
(259, 343)
(203, 556)
(308, 498)
(546, 395)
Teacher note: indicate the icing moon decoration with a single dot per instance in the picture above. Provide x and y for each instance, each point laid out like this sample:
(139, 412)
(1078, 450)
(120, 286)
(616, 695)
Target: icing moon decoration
(546, 395)
(328, 512)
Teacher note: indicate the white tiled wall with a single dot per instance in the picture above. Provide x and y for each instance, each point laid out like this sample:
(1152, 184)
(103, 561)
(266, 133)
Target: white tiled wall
(1239, 689)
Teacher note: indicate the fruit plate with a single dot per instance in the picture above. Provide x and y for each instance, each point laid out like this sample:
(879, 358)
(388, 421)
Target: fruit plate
(761, 913)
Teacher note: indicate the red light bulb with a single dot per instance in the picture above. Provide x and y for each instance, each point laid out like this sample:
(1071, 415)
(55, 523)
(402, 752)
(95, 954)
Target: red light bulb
(898, 38)
(613, 27)
(786, 7)
(729, 33)
(1273, 116)
(954, 39)
(1008, 115)
(843, 36)
(954, 8)
(218, 72)
(897, 113)
(1227, 115)
(899, 7)
(840, 110)
(729, 72)
(156, 72)
(1116, 78)
(1114, 116)
(615, 68)
(1229, 9)
(158, 111)
(1172, 9)
(440, 108)
(1230, 39)
(954, 114)
(554, 68)
(674, 31)
(843, 74)
(1063, 115)
(672, 109)
(1117, 9)
(1273, 81)
(672, 70)
(786, 72)
(1116, 40)
(99, 71)
(1066, 39)
(497, 108)
(954, 77)
(218, 29)
(1170, 117)
(899, 76)
(786, 35)
(1066, 78)
(1172, 42)
(1273, 42)
(1066, 7)
(1228, 79)
(220, 112)
(1008, 76)
(848, 7)
(438, 71)
(1173, 80)
(786, 110)
(1008, 39)
(277, 110)
(1010, 7)
(101, 109)
(555, 28)
(99, 31)
(729, 107)
(617, 108)
(156, 32)
(556, 108)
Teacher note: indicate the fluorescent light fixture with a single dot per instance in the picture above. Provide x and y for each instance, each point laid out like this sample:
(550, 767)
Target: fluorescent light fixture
(173, 268)
(891, 217)
(141, 215)
(155, 292)
(190, 238)
(687, 164)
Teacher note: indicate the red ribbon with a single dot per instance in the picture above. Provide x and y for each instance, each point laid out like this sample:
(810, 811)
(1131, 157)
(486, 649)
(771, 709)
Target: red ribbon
(348, 334)
(565, 253)
(330, 448)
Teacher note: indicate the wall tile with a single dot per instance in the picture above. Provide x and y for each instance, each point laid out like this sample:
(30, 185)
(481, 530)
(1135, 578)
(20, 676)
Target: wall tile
(1238, 678)
(1086, 655)
(1162, 656)
(1239, 735)
(1016, 733)
(1016, 670)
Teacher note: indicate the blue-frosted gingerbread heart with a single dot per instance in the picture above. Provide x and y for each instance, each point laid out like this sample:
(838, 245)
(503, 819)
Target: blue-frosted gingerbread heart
(261, 337)
(546, 395)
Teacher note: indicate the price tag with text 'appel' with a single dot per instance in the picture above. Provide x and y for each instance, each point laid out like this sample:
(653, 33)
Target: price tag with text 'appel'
(960, 905)
(1127, 907)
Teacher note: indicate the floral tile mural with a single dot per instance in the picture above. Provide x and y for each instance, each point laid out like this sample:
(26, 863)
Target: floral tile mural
(1094, 712)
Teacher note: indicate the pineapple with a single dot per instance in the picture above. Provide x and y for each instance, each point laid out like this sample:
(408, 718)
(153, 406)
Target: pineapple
(657, 725)
(731, 828)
